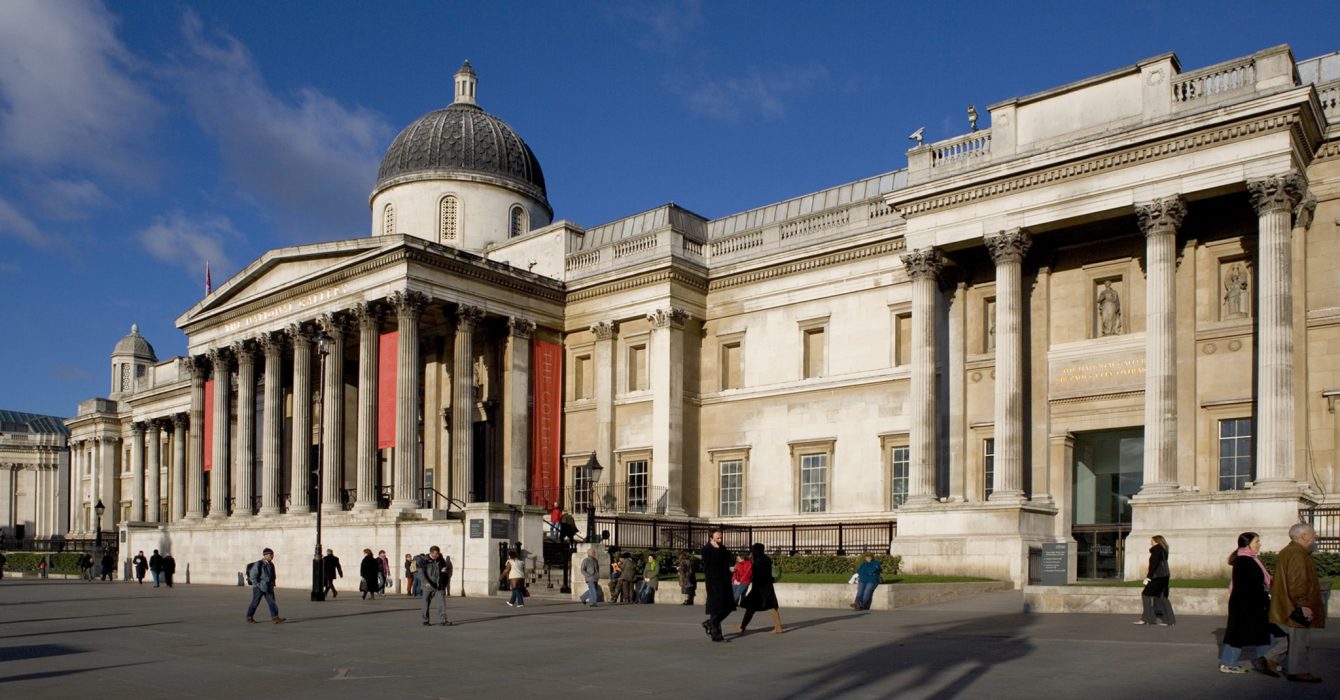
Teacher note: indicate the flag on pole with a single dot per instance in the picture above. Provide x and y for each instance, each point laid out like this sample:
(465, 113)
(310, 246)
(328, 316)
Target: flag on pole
(209, 284)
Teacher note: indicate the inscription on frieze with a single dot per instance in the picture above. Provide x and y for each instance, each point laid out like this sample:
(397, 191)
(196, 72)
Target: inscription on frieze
(1114, 371)
(284, 309)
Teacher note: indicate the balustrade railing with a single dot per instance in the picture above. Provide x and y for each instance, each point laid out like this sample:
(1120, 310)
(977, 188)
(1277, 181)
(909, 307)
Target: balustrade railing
(1214, 80)
(633, 246)
(815, 223)
(961, 149)
(581, 261)
(744, 241)
(1329, 95)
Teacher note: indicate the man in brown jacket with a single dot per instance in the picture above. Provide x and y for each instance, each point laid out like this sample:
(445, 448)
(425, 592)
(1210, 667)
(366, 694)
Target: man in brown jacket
(1295, 600)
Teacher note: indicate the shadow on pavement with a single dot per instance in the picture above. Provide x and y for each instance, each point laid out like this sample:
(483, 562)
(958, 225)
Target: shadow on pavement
(57, 674)
(37, 651)
(92, 629)
(54, 619)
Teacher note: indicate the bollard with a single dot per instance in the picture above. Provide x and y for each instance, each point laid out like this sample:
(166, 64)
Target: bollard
(188, 573)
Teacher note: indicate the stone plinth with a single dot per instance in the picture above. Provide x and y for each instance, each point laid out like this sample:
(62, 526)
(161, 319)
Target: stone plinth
(990, 540)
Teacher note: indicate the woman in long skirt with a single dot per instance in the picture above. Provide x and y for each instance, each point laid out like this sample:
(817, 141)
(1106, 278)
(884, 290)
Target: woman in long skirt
(1248, 611)
(761, 595)
(1157, 607)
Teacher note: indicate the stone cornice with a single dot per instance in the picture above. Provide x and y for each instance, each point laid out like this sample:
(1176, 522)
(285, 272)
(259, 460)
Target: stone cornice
(655, 277)
(875, 249)
(1152, 151)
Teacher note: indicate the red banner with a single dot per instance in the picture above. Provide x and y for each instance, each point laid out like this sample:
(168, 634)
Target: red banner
(208, 431)
(547, 422)
(388, 348)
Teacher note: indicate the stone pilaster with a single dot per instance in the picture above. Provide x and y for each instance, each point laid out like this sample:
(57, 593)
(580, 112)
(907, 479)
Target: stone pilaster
(1274, 199)
(1159, 221)
(666, 370)
(332, 413)
(219, 491)
(409, 306)
(368, 314)
(137, 430)
(300, 472)
(177, 499)
(463, 406)
(272, 423)
(153, 470)
(108, 481)
(1008, 249)
(516, 410)
(923, 267)
(244, 453)
(603, 384)
(195, 475)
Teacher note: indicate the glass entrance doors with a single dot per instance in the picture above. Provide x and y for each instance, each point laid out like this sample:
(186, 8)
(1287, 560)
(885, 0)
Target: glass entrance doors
(1108, 470)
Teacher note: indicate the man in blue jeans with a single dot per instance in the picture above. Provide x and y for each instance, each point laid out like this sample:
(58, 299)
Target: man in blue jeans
(867, 580)
(591, 574)
(262, 576)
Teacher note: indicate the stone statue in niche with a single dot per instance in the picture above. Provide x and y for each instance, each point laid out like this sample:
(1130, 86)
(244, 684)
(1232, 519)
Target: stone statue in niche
(481, 379)
(1235, 292)
(1108, 304)
(990, 344)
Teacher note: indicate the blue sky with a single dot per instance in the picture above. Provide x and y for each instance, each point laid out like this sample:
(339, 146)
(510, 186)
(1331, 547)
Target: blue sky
(138, 139)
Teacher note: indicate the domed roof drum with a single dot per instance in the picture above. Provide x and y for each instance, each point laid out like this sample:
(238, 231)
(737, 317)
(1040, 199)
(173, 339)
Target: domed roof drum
(462, 141)
(135, 345)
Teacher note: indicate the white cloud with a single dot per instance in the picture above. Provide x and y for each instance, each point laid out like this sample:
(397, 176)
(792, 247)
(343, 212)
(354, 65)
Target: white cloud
(191, 242)
(666, 24)
(732, 98)
(67, 98)
(306, 156)
(14, 223)
(67, 200)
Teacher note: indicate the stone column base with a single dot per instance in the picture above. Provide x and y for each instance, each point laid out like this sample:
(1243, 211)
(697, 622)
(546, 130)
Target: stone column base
(990, 540)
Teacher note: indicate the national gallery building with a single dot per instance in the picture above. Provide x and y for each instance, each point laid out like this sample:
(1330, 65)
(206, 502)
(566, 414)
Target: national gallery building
(1110, 311)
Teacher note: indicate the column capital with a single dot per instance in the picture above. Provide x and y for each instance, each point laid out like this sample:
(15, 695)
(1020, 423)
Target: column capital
(1275, 193)
(468, 316)
(1161, 216)
(368, 314)
(244, 351)
(408, 303)
(669, 317)
(197, 366)
(521, 327)
(137, 428)
(605, 330)
(1303, 213)
(333, 323)
(300, 334)
(1008, 246)
(924, 263)
(180, 420)
(220, 359)
(271, 343)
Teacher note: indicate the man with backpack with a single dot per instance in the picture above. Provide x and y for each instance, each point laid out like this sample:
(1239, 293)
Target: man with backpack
(261, 576)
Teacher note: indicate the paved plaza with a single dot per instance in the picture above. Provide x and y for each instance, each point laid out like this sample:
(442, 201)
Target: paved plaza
(63, 638)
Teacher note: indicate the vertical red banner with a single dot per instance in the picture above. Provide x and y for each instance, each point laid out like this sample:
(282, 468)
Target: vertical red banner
(547, 422)
(208, 431)
(388, 351)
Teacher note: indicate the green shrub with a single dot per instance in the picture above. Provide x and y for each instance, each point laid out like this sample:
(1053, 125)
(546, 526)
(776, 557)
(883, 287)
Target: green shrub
(63, 563)
(834, 564)
(1328, 563)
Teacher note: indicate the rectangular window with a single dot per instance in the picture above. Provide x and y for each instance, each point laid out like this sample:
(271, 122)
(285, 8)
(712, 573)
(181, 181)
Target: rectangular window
(814, 483)
(581, 489)
(903, 337)
(988, 466)
(1235, 454)
(637, 368)
(637, 486)
(731, 367)
(899, 459)
(731, 499)
(583, 383)
(814, 353)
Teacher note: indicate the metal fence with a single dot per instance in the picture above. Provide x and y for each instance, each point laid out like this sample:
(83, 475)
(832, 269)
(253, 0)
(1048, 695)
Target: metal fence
(616, 497)
(799, 538)
(1326, 521)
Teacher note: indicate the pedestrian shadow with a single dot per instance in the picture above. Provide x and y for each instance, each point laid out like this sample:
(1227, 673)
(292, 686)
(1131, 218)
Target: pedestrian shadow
(90, 629)
(37, 651)
(519, 616)
(361, 613)
(41, 675)
(921, 662)
(54, 619)
(31, 603)
(790, 626)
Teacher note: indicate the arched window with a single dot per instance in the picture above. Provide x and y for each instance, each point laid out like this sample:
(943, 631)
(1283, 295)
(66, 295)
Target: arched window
(448, 211)
(518, 225)
(388, 220)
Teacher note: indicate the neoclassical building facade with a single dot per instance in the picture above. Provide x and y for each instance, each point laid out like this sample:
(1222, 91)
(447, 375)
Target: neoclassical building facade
(1109, 314)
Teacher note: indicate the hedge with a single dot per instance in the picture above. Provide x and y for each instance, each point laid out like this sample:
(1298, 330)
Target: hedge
(798, 564)
(60, 563)
(1328, 563)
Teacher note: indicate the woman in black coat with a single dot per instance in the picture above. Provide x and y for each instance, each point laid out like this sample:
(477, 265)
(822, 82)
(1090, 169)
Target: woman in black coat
(761, 595)
(717, 561)
(1248, 609)
(370, 571)
(1155, 594)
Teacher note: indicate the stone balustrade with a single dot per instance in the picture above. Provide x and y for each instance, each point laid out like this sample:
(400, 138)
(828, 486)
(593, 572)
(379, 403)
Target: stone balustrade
(1220, 79)
(1329, 96)
(969, 149)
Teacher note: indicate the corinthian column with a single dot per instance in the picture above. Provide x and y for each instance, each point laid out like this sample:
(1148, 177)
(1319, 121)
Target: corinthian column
(332, 415)
(195, 475)
(463, 406)
(516, 411)
(218, 479)
(924, 267)
(177, 500)
(1159, 221)
(300, 472)
(244, 456)
(153, 469)
(369, 318)
(666, 369)
(603, 385)
(1274, 199)
(272, 424)
(409, 307)
(137, 472)
(1007, 251)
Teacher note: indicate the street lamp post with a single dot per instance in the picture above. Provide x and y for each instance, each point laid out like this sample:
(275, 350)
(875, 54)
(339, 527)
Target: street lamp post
(593, 470)
(99, 510)
(318, 571)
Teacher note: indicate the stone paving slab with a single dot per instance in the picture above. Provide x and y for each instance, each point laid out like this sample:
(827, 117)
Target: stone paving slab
(59, 639)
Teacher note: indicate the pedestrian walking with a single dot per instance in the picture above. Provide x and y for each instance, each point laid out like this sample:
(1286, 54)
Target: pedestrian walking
(868, 578)
(567, 528)
(384, 564)
(141, 566)
(261, 575)
(330, 565)
(156, 567)
(1249, 611)
(555, 522)
(411, 587)
(108, 566)
(1296, 604)
(42, 568)
(651, 580)
(368, 571)
(688, 582)
(86, 566)
(169, 568)
(761, 595)
(716, 578)
(590, 568)
(432, 576)
(740, 576)
(1157, 607)
(514, 575)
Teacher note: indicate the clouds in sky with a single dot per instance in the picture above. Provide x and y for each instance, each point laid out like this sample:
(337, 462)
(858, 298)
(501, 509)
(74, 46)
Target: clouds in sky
(753, 94)
(188, 243)
(14, 223)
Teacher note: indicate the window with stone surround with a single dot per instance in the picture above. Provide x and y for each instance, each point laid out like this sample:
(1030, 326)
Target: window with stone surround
(637, 486)
(1236, 467)
(732, 362)
(989, 324)
(581, 489)
(812, 462)
(988, 466)
(899, 459)
(388, 219)
(730, 499)
(637, 367)
(449, 212)
(814, 348)
(517, 225)
(583, 381)
(902, 339)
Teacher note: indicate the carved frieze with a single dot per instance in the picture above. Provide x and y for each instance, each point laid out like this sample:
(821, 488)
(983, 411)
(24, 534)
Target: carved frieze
(1161, 216)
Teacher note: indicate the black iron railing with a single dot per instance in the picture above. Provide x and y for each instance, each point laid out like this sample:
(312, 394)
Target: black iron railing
(798, 538)
(1326, 521)
(617, 497)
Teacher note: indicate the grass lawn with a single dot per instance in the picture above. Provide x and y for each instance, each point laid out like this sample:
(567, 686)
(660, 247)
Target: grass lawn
(901, 578)
(1179, 583)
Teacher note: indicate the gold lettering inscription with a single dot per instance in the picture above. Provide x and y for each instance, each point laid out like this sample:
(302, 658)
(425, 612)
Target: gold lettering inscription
(1101, 370)
(284, 309)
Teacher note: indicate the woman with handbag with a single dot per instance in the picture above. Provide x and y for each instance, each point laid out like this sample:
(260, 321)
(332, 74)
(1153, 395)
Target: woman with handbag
(1157, 608)
(1249, 611)
(761, 595)
(514, 573)
(368, 571)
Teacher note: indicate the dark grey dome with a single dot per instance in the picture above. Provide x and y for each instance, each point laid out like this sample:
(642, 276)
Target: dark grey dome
(462, 140)
(135, 345)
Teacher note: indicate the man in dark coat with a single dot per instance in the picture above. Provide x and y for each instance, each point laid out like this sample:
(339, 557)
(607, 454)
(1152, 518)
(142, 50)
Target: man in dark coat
(141, 565)
(331, 564)
(434, 573)
(1296, 604)
(717, 560)
(369, 570)
(108, 566)
(263, 578)
(170, 568)
(156, 566)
